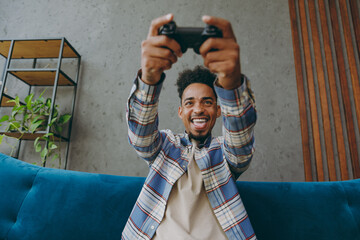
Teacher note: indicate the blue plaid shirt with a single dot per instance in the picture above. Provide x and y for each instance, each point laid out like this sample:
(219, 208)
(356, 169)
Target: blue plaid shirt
(220, 159)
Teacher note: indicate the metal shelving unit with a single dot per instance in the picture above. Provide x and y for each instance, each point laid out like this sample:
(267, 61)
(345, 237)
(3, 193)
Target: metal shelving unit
(58, 48)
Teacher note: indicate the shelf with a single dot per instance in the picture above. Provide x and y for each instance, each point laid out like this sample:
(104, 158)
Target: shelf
(4, 102)
(32, 136)
(48, 50)
(37, 49)
(6, 98)
(42, 77)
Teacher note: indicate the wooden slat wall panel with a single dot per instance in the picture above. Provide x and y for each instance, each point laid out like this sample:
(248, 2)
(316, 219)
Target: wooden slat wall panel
(312, 93)
(322, 92)
(333, 93)
(326, 45)
(351, 58)
(341, 64)
(301, 92)
(354, 6)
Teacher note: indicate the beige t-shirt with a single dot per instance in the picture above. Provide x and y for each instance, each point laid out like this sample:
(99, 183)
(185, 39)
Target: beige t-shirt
(188, 215)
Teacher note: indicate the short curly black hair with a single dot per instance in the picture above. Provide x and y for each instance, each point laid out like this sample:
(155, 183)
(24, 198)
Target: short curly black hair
(198, 75)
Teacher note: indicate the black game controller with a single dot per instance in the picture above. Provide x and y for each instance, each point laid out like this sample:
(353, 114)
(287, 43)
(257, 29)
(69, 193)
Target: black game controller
(190, 37)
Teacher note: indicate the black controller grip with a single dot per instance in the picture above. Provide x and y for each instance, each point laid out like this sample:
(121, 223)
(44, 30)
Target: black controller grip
(189, 37)
(171, 31)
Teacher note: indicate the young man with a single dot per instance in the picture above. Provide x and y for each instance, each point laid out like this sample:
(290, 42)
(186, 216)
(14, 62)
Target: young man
(190, 192)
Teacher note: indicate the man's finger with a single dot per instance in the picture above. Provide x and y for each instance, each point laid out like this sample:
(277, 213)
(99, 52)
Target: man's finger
(217, 44)
(164, 41)
(222, 56)
(224, 25)
(163, 53)
(158, 22)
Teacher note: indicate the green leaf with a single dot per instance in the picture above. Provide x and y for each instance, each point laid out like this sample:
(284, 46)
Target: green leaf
(1, 138)
(56, 156)
(44, 153)
(37, 145)
(48, 102)
(35, 119)
(4, 118)
(28, 100)
(53, 121)
(11, 128)
(55, 112)
(42, 93)
(10, 101)
(14, 125)
(17, 101)
(52, 146)
(36, 109)
(64, 118)
(27, 117)
(58, 129)
(48, 135)
(34, 126)
(21, 108)
(15, 111)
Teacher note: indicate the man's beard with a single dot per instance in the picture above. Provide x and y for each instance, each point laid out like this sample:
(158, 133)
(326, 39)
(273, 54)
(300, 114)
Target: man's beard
(200, 139)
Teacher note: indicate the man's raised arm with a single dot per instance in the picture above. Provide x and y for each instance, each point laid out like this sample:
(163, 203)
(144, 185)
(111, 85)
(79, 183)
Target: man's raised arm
(158, 53)
(235, 96)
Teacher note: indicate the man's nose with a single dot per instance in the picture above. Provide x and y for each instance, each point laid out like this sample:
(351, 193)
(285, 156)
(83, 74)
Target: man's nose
(198, 108)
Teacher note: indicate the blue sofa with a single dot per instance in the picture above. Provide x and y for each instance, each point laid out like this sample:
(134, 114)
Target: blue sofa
(41, 203)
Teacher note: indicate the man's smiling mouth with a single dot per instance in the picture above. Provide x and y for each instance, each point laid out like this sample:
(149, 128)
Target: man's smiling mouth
(199, 123)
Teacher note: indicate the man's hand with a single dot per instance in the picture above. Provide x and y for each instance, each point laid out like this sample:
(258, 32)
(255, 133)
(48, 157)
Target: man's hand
(225, 61)
(158, 53)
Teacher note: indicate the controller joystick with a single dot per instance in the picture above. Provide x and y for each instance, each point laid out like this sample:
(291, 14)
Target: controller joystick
(190, 37)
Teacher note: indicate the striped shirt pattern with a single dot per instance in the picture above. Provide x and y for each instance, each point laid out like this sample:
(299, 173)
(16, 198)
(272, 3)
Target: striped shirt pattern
(221, 160)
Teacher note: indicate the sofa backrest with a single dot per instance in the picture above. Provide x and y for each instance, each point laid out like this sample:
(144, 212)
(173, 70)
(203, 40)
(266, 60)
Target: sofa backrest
(303, 210)
(42, 203)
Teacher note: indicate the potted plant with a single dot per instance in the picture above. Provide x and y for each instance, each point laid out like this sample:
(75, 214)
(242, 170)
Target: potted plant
(33, 116)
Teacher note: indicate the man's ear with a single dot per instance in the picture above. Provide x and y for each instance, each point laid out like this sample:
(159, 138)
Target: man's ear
(180, 112)
(218, 114)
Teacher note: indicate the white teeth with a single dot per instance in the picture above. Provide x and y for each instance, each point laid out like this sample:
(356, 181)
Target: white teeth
(197, 120)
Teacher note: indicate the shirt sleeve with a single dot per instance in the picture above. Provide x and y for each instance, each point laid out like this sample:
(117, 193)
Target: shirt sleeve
(142, 118)
(239, 117)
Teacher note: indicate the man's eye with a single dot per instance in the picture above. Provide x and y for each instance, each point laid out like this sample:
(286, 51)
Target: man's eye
(208, 103)
(188, 103)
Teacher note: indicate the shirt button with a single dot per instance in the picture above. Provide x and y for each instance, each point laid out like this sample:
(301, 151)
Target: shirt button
(152, 227)
(184, 166)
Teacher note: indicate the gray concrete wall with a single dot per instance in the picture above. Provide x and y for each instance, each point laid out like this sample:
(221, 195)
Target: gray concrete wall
(108, 35)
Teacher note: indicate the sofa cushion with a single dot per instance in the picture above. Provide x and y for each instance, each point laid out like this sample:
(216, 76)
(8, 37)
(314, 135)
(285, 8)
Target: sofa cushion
(16, 179)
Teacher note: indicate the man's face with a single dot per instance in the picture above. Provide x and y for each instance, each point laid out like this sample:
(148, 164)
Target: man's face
(198, 110)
